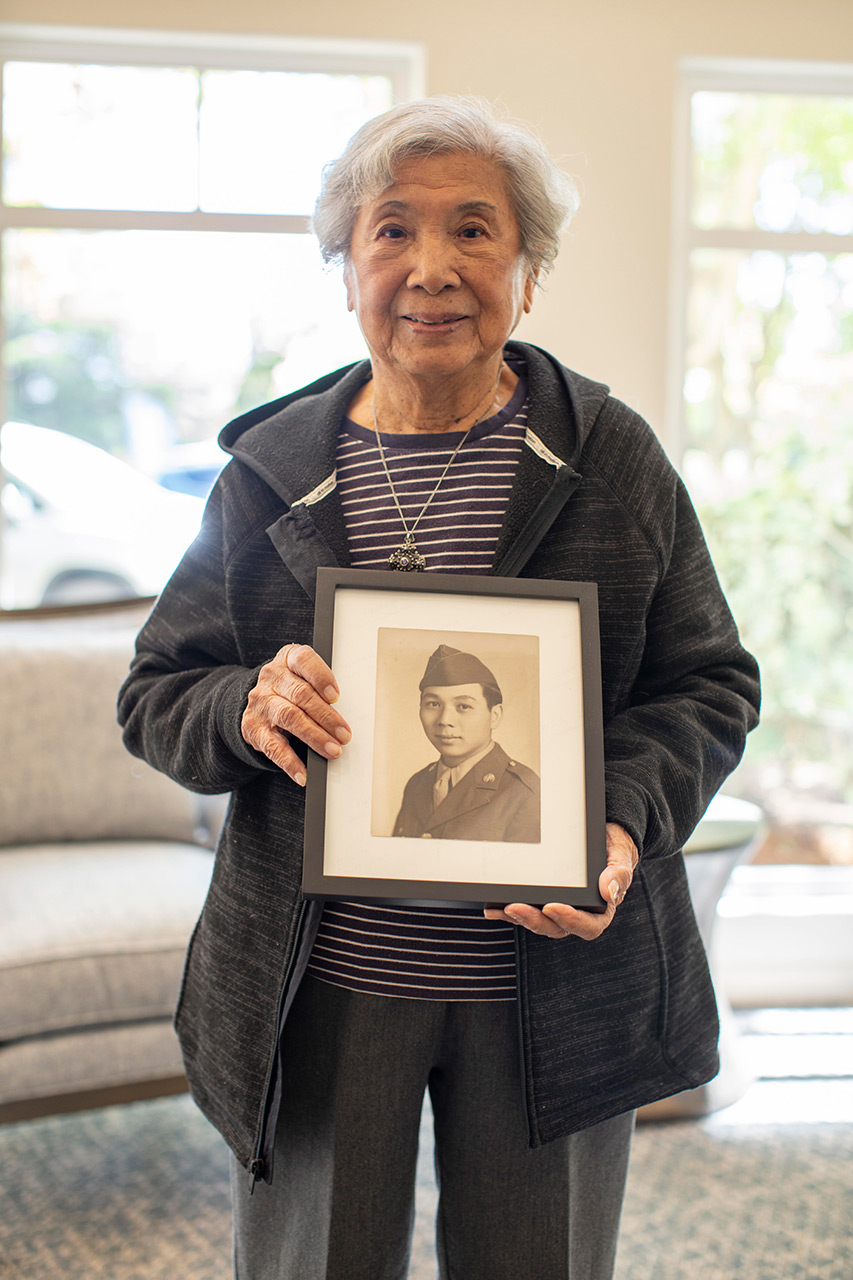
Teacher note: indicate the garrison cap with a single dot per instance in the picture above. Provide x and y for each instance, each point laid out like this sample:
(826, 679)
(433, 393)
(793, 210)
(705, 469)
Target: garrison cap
(448, 666)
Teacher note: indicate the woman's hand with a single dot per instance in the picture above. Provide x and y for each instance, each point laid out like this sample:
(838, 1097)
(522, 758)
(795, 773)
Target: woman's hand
(292, 698)
(556, 920)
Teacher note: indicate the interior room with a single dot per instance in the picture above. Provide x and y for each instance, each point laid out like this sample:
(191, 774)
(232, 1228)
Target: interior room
(707, 279)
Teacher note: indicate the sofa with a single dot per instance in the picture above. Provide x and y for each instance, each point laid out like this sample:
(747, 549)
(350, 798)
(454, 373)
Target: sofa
(104, 866)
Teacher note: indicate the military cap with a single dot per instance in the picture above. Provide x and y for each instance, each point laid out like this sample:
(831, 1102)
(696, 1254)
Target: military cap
(447, 666)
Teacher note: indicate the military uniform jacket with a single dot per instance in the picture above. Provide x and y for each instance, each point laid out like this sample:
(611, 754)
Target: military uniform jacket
(496, 800)
(604, 1026)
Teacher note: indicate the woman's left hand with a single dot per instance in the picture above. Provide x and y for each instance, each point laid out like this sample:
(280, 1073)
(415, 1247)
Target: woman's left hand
(556, 920)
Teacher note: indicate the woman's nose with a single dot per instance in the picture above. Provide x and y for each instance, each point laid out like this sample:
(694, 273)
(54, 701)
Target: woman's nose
(432, 267)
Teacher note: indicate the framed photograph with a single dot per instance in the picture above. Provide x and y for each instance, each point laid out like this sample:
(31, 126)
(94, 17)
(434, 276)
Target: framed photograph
(476, 768)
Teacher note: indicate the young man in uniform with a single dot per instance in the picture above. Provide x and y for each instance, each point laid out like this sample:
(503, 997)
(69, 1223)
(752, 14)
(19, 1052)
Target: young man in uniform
(474, 791)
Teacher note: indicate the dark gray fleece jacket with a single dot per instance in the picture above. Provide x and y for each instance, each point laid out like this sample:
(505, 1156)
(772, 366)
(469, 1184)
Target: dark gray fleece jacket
(603, 1026)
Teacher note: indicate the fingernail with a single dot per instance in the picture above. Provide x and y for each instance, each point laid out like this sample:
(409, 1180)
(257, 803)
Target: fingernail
(342, 734)
(614, 892)
(511, 916)
(330, 693)
(333, 749)
(300, 779)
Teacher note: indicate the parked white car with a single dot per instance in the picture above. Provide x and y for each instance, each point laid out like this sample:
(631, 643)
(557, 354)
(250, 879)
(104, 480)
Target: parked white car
(192, 468)
(79, 525)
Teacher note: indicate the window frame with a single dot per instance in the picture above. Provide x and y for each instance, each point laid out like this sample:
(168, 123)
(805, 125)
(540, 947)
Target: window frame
(741, 76)
(403, 62)
(728, 75)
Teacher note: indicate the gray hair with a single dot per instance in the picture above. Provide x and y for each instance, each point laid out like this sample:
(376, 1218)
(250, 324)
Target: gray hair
(543, 198)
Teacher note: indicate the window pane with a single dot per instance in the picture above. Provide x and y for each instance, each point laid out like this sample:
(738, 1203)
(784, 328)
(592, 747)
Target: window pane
(194, 326)
(778, 162)
(137, 341)
(769, 402)
(265, 135)
(97, 137)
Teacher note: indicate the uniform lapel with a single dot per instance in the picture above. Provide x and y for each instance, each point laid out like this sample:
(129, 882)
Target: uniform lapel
(474, 790)
(421, 798)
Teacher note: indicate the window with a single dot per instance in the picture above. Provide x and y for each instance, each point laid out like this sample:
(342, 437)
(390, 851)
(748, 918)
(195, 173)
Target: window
(158, 277)
(765, 410)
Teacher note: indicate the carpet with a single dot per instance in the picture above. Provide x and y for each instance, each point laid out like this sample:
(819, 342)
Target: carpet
(760, 1191)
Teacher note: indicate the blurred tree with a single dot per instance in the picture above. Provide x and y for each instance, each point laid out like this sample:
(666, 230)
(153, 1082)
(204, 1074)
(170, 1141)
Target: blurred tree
(68, 375)
(258, 385)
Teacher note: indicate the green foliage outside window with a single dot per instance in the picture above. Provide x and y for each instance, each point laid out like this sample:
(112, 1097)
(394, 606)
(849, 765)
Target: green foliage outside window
(769, 414)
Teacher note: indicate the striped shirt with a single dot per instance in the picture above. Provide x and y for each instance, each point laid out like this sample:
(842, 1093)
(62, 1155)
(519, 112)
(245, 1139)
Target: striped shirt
(458, 532)
(420, 952)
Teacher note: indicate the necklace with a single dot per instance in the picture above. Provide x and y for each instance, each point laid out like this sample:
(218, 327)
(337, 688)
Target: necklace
(406, 558)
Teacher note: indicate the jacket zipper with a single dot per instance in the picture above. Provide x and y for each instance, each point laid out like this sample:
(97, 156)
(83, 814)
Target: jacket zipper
(257, 1164)
(521, 979)
(565, 483)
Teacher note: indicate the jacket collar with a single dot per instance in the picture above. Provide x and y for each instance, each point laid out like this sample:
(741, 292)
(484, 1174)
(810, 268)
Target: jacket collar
(290, 443)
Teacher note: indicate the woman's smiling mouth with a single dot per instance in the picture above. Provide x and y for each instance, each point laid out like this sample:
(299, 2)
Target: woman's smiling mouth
(434, 324)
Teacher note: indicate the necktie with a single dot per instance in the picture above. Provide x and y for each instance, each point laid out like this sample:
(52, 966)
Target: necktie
(442, 787)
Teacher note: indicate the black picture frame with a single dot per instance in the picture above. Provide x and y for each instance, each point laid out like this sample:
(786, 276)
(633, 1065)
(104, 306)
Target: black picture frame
(377, 630)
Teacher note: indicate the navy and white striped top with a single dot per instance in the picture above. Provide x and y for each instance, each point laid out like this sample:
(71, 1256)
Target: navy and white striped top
(459, 531)
(430, 953)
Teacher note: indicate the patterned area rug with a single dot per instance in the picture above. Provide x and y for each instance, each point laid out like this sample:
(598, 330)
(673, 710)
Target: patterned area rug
(141, 1193)
(750, 1203)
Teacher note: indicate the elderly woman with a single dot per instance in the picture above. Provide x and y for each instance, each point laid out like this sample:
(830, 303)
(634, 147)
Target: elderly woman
(311, 1032)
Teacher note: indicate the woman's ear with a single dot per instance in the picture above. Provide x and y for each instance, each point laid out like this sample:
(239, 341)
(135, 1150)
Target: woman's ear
(349, 286)
(530, 288)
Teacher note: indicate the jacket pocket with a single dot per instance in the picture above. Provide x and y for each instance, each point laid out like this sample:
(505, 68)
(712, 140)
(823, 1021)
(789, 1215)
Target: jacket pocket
(689, 1026)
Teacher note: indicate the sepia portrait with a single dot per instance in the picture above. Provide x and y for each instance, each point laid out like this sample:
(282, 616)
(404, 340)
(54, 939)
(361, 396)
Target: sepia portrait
(456, 742)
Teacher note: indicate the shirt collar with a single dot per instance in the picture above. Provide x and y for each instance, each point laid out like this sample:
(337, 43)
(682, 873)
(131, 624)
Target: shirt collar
(458, 771)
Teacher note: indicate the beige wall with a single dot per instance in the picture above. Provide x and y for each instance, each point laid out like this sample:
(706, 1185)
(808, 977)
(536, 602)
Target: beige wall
(597, 78)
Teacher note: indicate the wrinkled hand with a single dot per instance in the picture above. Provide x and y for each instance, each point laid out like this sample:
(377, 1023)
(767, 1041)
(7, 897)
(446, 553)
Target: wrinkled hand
(556, 920)
(292, 698)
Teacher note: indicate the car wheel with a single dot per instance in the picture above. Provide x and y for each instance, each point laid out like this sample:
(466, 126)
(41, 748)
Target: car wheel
(87, 588)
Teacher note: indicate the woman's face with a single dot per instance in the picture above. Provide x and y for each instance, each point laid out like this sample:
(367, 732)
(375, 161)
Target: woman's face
(435, 272)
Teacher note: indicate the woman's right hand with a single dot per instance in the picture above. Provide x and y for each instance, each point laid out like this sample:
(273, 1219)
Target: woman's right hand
(292, 698)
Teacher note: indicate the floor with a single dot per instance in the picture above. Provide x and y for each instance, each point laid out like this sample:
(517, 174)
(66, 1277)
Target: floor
(760, 1191)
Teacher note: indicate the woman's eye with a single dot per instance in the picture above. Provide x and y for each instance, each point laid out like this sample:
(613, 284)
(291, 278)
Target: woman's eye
(472, 233)
(392, 233)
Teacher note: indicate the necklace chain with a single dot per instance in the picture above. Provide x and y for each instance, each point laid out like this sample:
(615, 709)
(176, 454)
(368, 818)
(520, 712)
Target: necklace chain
(407, 558)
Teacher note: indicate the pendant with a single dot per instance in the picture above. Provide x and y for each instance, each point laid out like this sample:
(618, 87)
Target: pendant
(407, 558)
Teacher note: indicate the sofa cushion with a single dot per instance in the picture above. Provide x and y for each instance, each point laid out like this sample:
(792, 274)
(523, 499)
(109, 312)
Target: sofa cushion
(95, 933)
(66, 774)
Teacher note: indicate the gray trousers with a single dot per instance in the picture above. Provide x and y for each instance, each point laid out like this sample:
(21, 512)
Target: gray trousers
(341, 1203)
